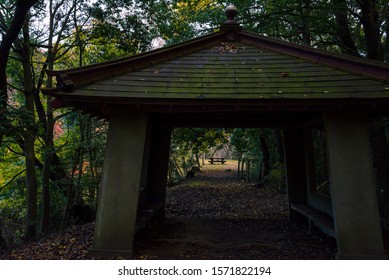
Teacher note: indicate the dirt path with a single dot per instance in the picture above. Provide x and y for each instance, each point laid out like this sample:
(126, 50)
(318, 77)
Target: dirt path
(217, 216)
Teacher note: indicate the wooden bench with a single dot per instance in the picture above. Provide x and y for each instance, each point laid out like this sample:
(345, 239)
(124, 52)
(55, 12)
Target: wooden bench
(321, 220)
(212, 160)
(146, 213)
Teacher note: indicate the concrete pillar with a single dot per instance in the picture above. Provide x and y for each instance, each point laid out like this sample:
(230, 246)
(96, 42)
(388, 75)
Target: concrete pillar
(296, 174)
(354, 202)
(122, 176)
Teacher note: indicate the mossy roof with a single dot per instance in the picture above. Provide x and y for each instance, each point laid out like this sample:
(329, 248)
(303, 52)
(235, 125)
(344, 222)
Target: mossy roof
(228, 66)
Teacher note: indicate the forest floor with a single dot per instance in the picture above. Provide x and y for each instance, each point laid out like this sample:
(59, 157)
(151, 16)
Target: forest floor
(213, 215)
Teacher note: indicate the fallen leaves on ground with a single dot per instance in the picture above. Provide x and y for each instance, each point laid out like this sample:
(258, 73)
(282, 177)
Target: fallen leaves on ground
(211, 216)
(215, 215)
(71, 244)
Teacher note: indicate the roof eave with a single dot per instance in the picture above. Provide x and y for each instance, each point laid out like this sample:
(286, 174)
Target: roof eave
(275, 104)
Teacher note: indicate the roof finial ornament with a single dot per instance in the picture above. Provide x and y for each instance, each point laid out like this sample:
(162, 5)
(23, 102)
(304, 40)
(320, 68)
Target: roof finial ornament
(231, 12)
(230, 23)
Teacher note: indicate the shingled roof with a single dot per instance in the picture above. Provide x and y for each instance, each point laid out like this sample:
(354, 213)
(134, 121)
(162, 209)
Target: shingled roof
(230, 66)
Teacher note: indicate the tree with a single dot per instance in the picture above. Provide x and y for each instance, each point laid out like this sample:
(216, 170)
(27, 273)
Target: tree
(265, 165)
(199, 140)
(248, 144)
(346, 41)
(29, 136)
(10, 35)
(47, 119)
(263, 148)
(371, 24)
(34, 51)
(120, 27)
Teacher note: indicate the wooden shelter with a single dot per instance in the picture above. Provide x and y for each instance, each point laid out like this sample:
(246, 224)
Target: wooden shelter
(233, 78)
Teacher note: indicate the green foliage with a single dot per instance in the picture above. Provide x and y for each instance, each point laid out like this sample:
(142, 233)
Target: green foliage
(276, 178)
(309, 22)
(199, 140)
(177, 21)
(123, 24)
(81, 145)
(247, 144)
(262, 148)
(188, 144)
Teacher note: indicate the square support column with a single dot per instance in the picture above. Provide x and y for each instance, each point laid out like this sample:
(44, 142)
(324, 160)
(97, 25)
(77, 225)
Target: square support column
(354, 201)
(121, 181)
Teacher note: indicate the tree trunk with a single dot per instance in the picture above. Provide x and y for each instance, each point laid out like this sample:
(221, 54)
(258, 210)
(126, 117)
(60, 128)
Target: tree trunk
(197, 159)
(21, 9)
(29, 138)
(248, 170)
(45, 220)
(78, 194)
(386, 42)
(92, 190)
(265, 157)
(3, 243)
(52, 164)
(57, 172)
(49, 152)
(305, 27)
(371, 26)
(69, 202)
(177, 166)
(239, 162)
(71, 190)
(346, 42)
(280, 146)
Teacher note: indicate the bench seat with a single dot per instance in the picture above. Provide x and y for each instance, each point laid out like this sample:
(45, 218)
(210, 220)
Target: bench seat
(321, 220)
(213, 160)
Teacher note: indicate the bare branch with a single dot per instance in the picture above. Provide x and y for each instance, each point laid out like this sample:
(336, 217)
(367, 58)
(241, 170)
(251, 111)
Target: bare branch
(13, 179)
(14, 87)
